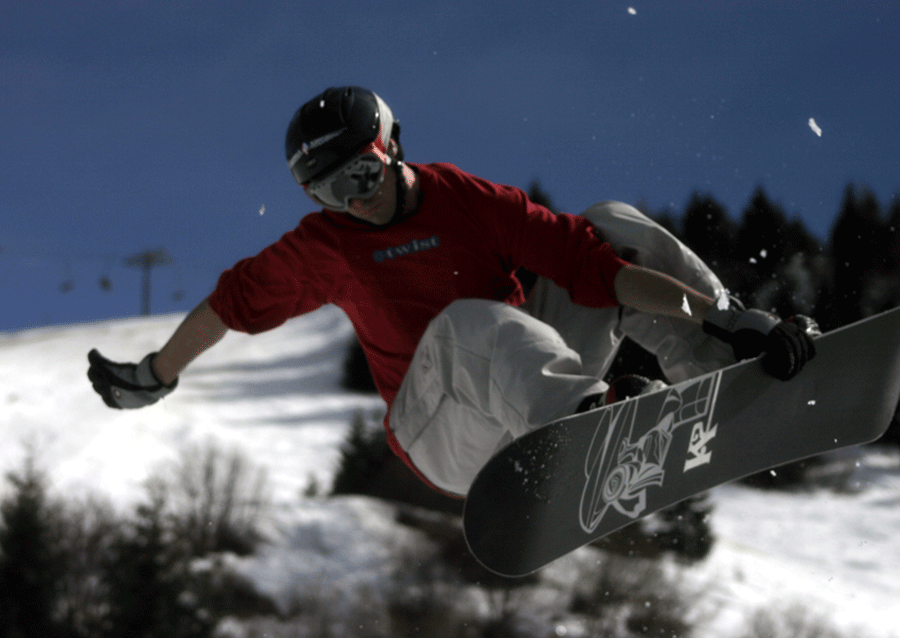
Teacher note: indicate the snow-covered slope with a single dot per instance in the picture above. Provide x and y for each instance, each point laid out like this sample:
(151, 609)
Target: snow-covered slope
(276, 396)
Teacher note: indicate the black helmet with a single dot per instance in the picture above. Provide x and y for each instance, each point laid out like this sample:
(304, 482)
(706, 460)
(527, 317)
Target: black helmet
(329, 129)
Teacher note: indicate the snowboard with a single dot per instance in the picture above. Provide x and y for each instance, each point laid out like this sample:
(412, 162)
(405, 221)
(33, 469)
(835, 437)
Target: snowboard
(578, 479)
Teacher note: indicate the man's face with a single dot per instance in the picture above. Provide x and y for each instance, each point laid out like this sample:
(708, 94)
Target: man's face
(356, 176)
(379, 208)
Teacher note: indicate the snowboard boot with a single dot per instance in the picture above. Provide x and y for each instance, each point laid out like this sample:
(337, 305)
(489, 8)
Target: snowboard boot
(625, 387)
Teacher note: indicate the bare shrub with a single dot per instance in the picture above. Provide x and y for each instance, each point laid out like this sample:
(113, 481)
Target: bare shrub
(218, 500)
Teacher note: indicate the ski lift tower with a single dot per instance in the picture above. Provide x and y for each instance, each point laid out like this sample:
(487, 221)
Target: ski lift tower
(146, 261)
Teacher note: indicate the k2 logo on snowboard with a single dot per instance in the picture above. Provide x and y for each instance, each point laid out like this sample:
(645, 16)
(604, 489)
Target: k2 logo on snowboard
(621, 465)
(698, 448)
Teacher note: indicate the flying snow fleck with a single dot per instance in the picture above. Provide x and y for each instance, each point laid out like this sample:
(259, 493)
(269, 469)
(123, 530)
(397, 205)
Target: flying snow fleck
(262, 210)
(815, 127)
(723, 303)
(632, 11)
(686, 307)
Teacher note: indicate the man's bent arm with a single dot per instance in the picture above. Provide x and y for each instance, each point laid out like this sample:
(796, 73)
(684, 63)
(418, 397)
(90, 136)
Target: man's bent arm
(199, 331)
(656, 293)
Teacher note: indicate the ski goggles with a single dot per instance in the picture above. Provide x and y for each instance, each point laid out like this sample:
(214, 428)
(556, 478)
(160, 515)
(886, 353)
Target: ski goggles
(360, 178)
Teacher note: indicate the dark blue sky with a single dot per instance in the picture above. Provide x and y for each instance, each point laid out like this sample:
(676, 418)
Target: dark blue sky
(130, 125)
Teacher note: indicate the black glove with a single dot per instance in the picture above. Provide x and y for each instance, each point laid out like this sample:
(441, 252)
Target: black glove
(126, 385)
(787, 345)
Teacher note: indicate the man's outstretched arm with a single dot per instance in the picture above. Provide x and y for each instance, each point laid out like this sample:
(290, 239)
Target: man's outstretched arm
(136, 385)
(199, 331)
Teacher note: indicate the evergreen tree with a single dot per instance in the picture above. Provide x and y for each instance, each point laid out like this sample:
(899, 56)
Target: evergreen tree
(538, 195)
(761, 251)
(368, 466)
(776, 259)
(29, 566)
(357, 373)
(761, 236)
(710, 232)
(88, 528)
(874, 231)
(760, 243)
(856, 239)
(798, 239)
(892, 243)
(149, 583)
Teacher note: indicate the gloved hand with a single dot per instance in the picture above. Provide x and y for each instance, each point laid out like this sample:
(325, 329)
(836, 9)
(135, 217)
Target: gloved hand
(126, 385)
(787, 345)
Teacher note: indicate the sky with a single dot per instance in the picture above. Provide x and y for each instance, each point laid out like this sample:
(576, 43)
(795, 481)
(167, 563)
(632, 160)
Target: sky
(130, 125)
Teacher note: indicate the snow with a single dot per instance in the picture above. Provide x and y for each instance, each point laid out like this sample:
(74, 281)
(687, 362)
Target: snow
(815, 127)
(276, 397)
(834, 552)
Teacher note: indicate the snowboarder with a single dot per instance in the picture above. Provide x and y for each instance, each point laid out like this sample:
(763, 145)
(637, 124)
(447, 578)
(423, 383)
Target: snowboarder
(423, 260)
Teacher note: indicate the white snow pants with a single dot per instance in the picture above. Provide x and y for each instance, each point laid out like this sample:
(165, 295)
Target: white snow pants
(681, 347)
(485, 372)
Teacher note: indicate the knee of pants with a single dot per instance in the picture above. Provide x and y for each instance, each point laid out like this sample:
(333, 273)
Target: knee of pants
(471, 317)
(482, 371)
(455, 445)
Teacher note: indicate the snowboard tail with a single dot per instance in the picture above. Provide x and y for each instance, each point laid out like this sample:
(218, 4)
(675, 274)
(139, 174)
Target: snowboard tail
(587, 475)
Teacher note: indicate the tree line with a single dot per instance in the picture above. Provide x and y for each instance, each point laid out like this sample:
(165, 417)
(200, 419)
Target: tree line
(82, 569)
(775, 263)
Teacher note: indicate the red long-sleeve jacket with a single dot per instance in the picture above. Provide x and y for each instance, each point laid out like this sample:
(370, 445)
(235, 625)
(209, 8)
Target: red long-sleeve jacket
(466, 240)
